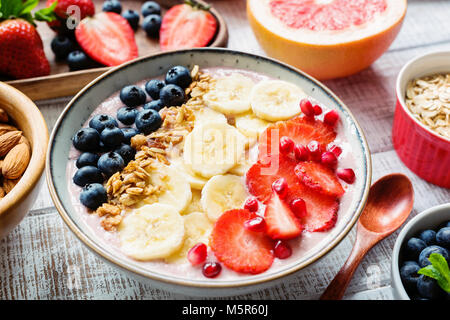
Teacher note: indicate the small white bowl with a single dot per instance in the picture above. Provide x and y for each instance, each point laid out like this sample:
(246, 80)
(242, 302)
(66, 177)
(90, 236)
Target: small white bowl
(428, 219)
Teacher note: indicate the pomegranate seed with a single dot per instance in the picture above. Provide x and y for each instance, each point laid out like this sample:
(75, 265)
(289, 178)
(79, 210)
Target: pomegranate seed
(251, 204)
(348, 175)
(286, 145)
(335, 149)
(307, 108)
(315, 150)
(282, 250)
(211, 269)
(329, 159)
(257, 224)
(301, 152)
(280, 187)
(331, 118)
(317, 110)
(197, 254)
(298, 206)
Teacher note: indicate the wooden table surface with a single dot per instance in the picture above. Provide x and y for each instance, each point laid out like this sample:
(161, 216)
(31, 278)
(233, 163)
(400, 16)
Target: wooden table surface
(42, 259)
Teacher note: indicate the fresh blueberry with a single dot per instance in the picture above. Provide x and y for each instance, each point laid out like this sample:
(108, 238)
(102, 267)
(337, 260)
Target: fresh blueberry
(153, 87)
(423, 257)
(172, 95)
(112, 6)
(126, 152)
(129, 133)
(93, 195)
(409, 275)
(61, 46)
(127, 115)
(156, 105)
(78, 60)
(428, 236)
(132, 18)
(428, 288)
(443, 237)
(86, 139)
(111, 136)
(150, 7)
(100, 121)
(148, 121)
(87, 159)
(87, 175)
(151, 25)
(414, 247)
(111, 162)
(179, 76)
(132, 96)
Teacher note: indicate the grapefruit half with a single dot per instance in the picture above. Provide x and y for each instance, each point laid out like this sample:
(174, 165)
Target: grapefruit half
(326, 38)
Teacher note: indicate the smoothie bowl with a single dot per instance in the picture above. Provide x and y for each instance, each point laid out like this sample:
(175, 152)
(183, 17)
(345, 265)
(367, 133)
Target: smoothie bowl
(208, 171)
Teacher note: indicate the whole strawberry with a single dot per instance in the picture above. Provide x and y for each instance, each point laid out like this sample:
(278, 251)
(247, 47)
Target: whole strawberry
(21, 50)
(69, 13)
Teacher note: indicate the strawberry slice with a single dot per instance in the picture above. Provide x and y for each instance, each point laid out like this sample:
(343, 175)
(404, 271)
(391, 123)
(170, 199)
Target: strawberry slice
(300, 129)
(186, 26)
(321, 209)
(281, 222)
(319, 177)
(237, 248)
(107, 38)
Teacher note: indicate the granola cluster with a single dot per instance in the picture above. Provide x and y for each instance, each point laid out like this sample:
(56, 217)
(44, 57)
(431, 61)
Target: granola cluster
(133, 184)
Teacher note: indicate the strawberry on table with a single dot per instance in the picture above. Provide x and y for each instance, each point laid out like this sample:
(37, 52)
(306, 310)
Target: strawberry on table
(187, 25)
(107, 38)
(79, 9)
(21, 50)
(319, 178)
(301, 130)
(237, 248)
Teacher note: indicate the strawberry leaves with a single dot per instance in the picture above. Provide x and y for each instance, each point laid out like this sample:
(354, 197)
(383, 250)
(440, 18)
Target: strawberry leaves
(438, 270)
(12, 9)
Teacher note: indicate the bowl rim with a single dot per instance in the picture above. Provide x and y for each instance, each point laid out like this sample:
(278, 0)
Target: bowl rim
(395, 268)
(33, 172)
(401, 95)
(205, 284)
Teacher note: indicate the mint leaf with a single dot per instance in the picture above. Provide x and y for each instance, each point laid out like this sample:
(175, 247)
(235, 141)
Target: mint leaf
(438, 270)
(46, 14)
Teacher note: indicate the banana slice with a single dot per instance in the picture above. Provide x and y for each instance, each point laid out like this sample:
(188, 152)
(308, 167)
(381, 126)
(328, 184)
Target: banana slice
(207, 115)
(213, 149)
(251, 127)
(198, 228)
(151, 232)
(176, 188)
(230, 94)
(275, 100)
(194, 205)
(222, 193)
(242, 167)
(196, 181)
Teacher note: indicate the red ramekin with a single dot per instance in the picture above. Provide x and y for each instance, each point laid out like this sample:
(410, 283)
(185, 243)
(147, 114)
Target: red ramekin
(422, 150)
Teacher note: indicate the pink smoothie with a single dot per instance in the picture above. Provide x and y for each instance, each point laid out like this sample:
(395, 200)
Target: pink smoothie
(301, 246)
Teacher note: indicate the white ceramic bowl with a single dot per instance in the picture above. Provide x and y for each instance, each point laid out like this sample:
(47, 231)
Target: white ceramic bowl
(83, 104)
(428, 219)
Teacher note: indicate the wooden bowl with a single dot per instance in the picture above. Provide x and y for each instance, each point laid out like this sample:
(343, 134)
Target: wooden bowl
(27, 117)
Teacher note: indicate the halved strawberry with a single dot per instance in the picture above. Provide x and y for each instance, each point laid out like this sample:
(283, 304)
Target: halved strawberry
(107, 38)
(281, 222)
(187, 26)
(300, 129)
(319, 177)
(237, 248)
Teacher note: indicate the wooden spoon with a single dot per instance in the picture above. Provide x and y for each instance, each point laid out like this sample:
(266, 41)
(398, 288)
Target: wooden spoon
(389, 204)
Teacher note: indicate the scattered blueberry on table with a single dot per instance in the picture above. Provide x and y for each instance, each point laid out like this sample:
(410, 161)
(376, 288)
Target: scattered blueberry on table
(424, 271)
(150, 7)
(61, 46)
(151, 25)
(112, 6)
(132, 17)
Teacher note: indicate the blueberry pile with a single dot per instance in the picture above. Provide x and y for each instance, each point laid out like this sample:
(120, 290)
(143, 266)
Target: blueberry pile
(150, 10)
(105, 144)
(415, 253)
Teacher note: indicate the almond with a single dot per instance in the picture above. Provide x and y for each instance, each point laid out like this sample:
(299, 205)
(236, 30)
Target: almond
(6, 128)
(24, 139)
(2, 192)
(16, 161)
(8, 185)
(3, 116)
(8, 141)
